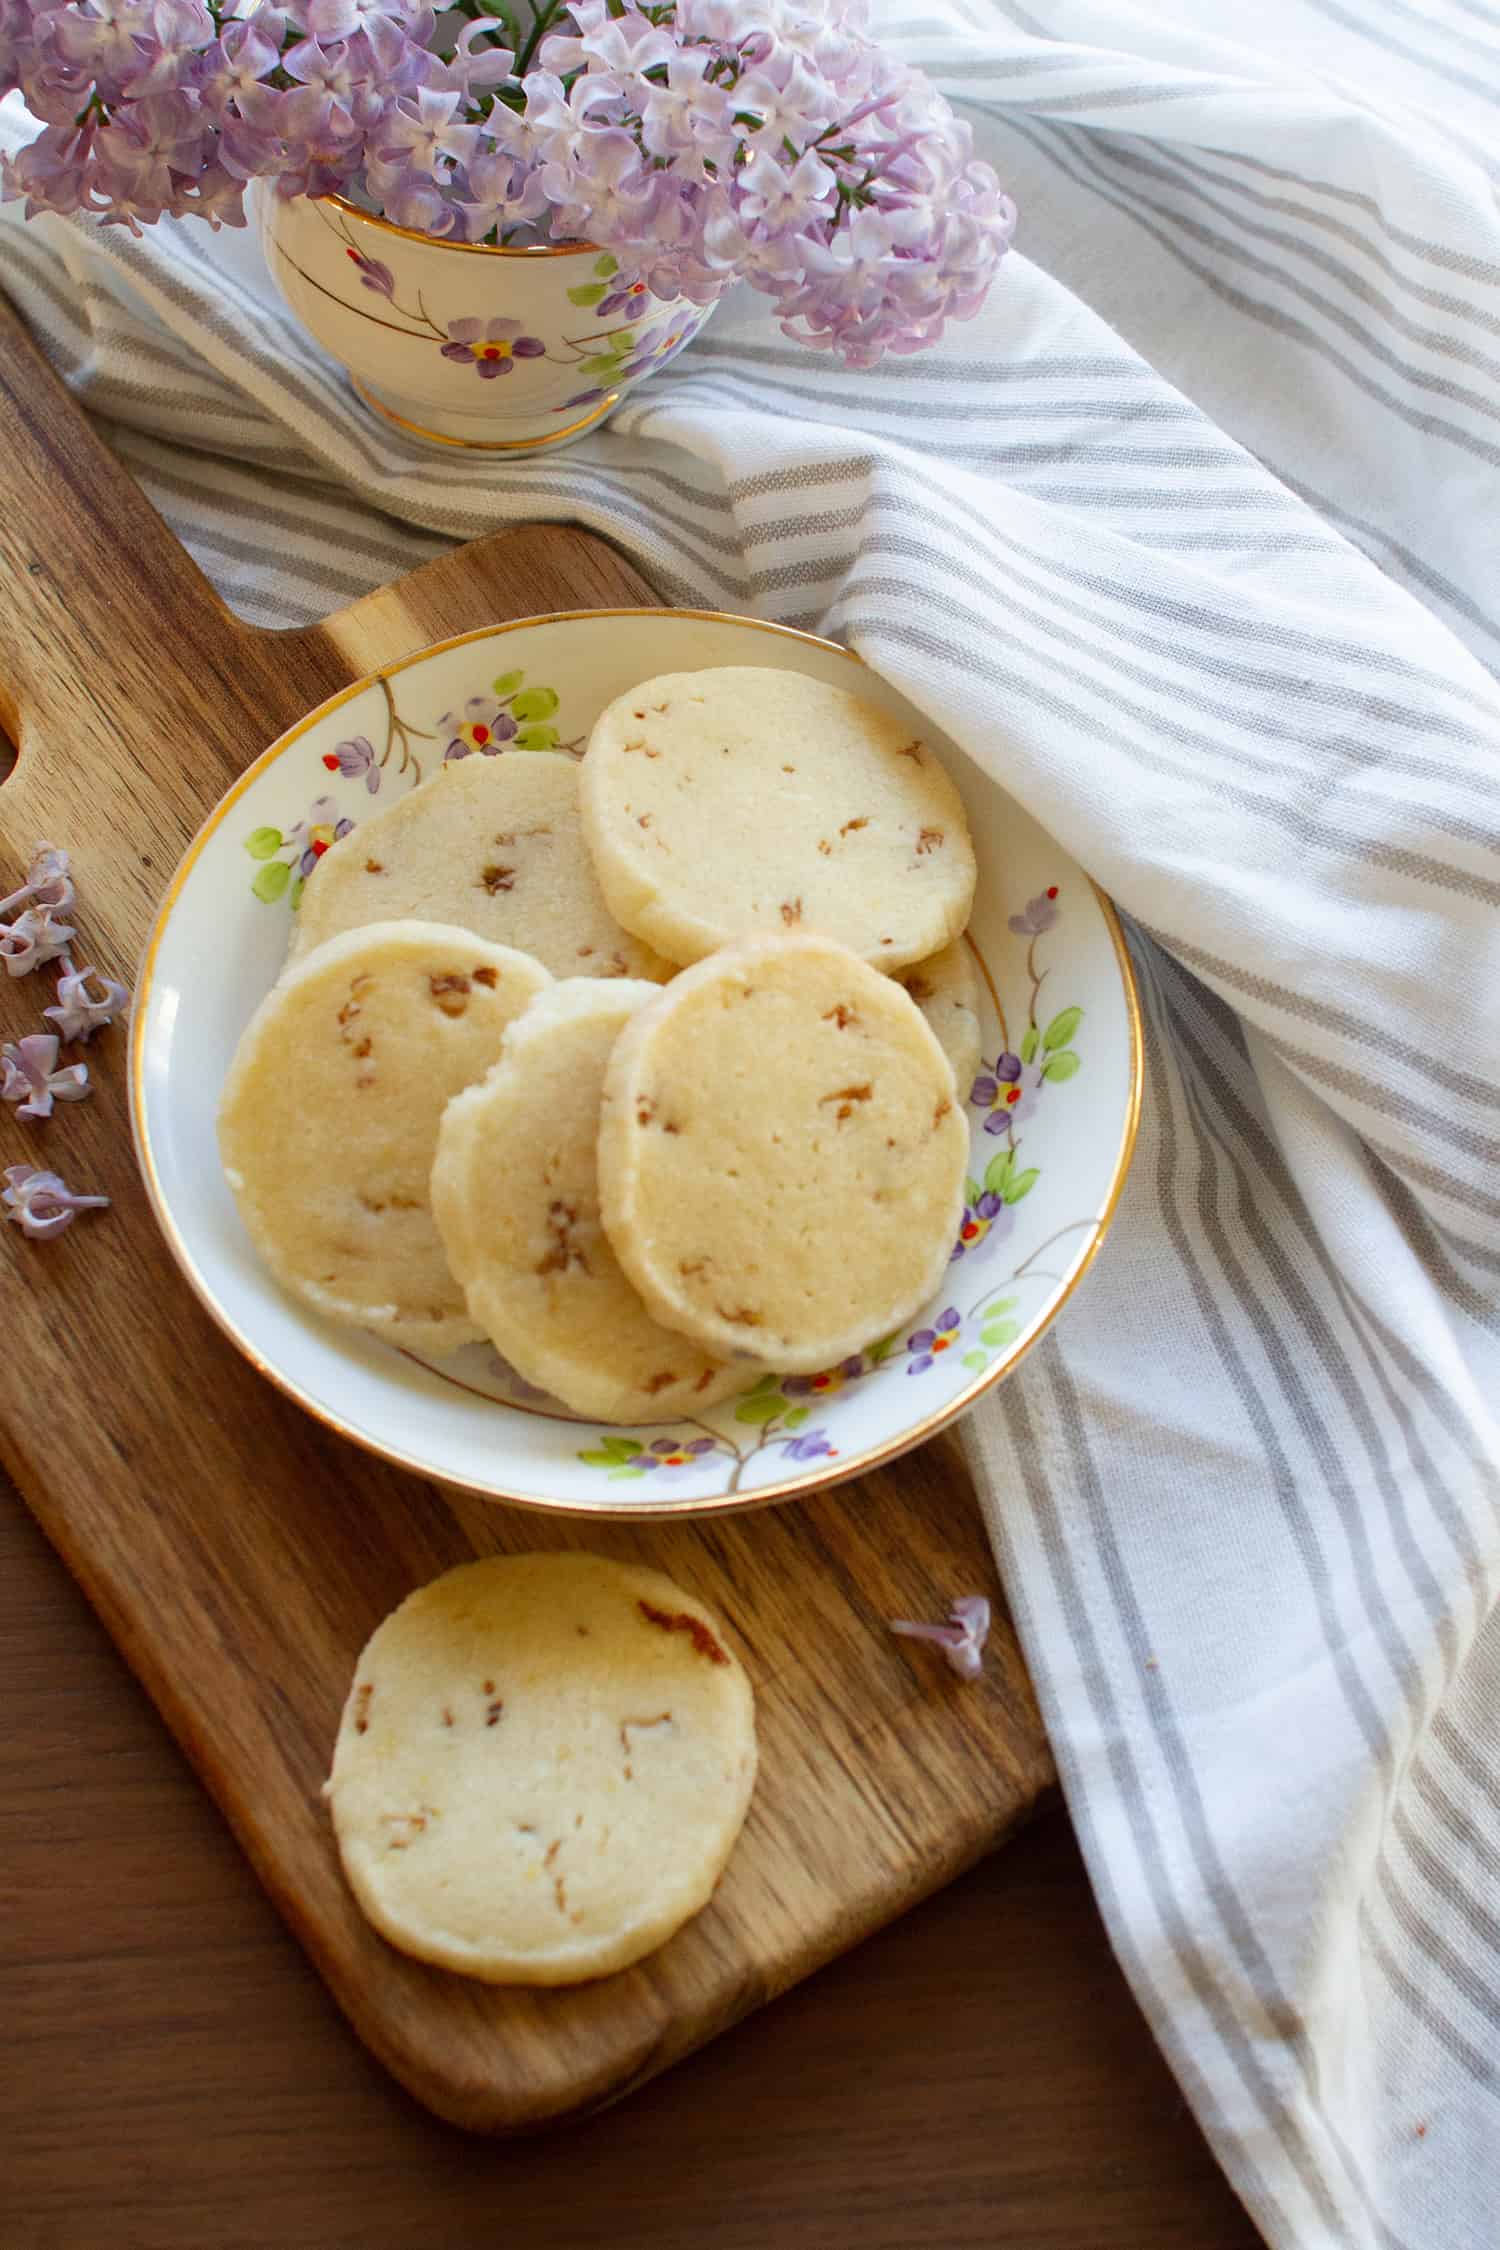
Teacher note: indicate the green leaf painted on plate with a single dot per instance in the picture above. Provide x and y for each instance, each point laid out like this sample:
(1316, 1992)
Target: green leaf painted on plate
(998, 1170)
(535, 703)
(1059, 1067)
(1028, 1044)
(1005, 1332)
(294, 895)
(536, 738)
(611, 1453)
(797, 1417)
(602, 363)
(1001, 1305)
(759, 1409)
(587, 293)
(976, 1360)
(766, 1383)
(507, 684)
(271, 881)
(616, 1475)
(883, 1350)
(1061, 1029)
(606, 265)
(972, 1191)
(261, 842)
(1022, 1184)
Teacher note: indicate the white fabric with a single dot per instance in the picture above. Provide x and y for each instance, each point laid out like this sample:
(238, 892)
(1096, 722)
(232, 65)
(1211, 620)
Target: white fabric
(1205, 506)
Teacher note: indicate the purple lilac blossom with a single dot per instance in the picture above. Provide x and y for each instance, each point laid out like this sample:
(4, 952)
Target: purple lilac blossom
(77, 1013)
(30, 1078)
(699, 146)
(41, 1203)
(961, 1639)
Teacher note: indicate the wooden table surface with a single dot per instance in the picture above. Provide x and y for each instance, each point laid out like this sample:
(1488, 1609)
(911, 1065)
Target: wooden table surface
(176, 2079)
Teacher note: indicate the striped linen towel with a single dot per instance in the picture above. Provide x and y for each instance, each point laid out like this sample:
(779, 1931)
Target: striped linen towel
(1206, 503)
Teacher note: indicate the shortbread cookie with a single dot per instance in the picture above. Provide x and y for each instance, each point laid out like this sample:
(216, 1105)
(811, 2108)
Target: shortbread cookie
(329, 1118)
(740, 803)
(542, 1767)
(515, 1192)
(492, 845)
(781, 1155)
(946, 989)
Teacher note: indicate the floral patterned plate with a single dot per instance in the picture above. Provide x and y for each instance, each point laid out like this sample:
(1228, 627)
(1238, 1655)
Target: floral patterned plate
(1052, 1111)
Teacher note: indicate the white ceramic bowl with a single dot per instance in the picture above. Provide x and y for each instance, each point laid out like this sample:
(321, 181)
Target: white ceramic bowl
(467, 344)
(1052, 1125)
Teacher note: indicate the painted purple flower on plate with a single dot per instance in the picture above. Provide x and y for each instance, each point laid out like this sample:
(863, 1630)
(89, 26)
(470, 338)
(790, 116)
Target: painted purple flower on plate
(1039, 914)
(927, 1343)
(1007, 1088)
(989, 1215)
(481, 725)
(354, 759)
(809, 1445)
(667, 1453)
(373, 274)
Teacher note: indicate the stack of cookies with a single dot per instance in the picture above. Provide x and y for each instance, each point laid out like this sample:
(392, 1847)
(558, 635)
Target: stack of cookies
(647, 1068)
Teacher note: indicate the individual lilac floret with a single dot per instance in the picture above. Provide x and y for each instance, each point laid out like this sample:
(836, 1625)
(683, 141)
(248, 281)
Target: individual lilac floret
(961, 1640)
(32, 939)
(48, 882)
(77, 1013)
(42, 1204)
(30, 1078)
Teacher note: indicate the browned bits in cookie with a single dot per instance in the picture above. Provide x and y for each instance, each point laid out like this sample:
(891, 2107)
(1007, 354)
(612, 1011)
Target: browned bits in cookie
(497, 879)
(373, 867)
(365, 1078)
(928, 840)
(362, 1697)
(662, 1718)
(562, 1218)
(825, 847)
(911, 750)
(688, 1267)
(842, 1015)
(489, 978)
(791, 911)
(492, 1711)
(645, 1110)
(850, 826)
(618, 965)
(350, 1009)
(940, 1113)
(407, 1826)
(488, 1687)
(643, 820)
(450, 992)
(370, 1203)
(846, 1097)
(918, 987)
(363, 1049)
(744, 1316)
(887, 941)
(655, 1383)
(584, 952)
(704, 1379)
(650, 753)
(682, 1621)
(550, 1854)
(785, 769)
(447, 1716)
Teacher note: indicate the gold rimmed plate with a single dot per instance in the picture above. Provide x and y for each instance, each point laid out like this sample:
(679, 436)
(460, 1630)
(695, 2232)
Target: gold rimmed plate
(1052, 1113)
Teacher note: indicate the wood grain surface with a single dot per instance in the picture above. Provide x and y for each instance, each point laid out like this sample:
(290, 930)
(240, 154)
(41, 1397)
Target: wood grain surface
(238, 1553)
(175, 2079)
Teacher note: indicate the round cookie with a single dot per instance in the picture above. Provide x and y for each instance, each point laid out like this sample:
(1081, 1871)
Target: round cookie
(494, 845)
(781, 1155)
(515, 1192)
(330, 1113)
(946, 989)
(542, 1767)
(739, 803)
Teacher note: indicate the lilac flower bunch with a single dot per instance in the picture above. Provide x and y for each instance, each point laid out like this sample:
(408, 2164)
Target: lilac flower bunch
(700, 141)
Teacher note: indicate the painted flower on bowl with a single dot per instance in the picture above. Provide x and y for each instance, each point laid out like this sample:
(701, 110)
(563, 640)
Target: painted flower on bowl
(1008, 1090)
(928, 1343)
(490, 347)
(668, 1453)
(356, 761)
(372, 273)
(481, 725)
(1039, 915)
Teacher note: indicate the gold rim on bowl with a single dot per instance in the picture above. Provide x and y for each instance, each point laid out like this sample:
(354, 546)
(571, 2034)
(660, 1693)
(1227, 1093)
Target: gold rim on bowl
(476, 249)
(729, 1503)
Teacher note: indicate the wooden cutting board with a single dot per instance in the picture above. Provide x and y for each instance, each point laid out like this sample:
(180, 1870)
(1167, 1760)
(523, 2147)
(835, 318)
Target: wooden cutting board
(240, 1554)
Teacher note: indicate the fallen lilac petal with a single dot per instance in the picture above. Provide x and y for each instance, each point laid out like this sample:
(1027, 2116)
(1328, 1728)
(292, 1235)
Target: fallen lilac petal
(77, 1014)
(32, 939)
(48, 880)
(32, 1079)
(41, 1203)
(961, 1640)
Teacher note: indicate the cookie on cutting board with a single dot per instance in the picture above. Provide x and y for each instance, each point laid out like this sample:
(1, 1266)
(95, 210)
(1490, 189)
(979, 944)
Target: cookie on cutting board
(515, 1191)
(489, 844)
(542, 1767)
(742, 802)
(329, 1117)
(781, 1154)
